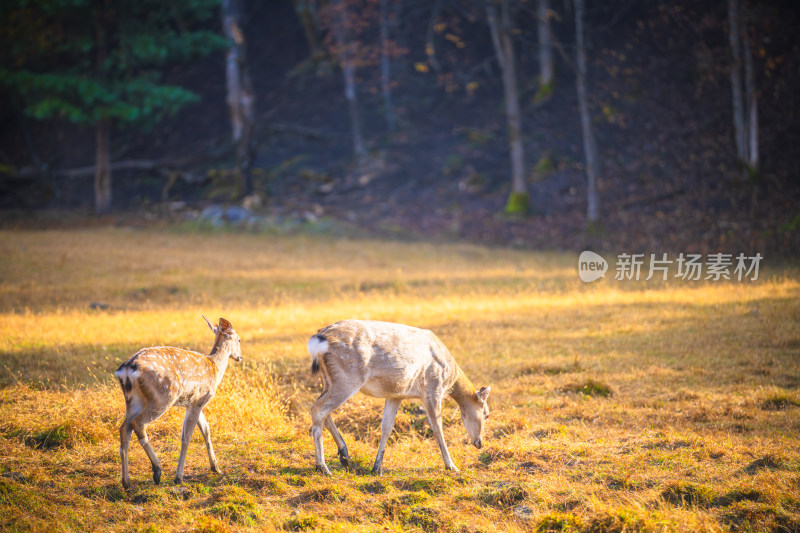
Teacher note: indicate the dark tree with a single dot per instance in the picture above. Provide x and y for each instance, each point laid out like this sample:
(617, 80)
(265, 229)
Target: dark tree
(499, 18)
(99, 62)
(241, 98)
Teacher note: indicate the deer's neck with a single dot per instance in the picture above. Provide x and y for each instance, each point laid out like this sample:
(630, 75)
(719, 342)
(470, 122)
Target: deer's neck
(220, 355)
(462, 390)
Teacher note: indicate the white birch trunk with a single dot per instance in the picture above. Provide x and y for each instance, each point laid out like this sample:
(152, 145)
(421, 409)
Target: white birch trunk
(752, 102)
(736, 80)
(386, 80)
(102, 174)
(589, 145)
(545, 46)
(347, 63)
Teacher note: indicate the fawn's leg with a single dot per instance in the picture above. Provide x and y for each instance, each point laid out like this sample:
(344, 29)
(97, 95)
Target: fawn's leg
(205, 430)
(124, 442)
(141, 433)
(192, 414)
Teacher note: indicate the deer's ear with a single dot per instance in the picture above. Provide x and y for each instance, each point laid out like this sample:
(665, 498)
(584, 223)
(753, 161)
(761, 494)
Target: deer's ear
(483, 394)
(215, 329)
(225, 326)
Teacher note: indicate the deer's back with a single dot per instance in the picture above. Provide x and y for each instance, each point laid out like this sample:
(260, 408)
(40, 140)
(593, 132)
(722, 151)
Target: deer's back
(391, 359)
(181, 375)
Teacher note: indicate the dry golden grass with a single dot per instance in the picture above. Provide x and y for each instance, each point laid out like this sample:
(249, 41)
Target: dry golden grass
(616, 407)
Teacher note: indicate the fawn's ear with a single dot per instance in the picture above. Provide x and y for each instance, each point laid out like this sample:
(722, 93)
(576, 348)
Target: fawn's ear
(225, 326)
(215, 329)
(483, 394)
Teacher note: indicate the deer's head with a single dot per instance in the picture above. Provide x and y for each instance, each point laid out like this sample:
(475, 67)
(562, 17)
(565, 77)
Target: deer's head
(475, 416)
(226, 340)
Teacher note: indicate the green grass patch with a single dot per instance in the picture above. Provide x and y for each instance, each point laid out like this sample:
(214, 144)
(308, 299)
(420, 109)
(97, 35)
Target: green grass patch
(590, 387)
(623, 520)
(327, 494)
(235, 505)
(375, 487)
(504, 494)
(67, 434)
(553, 522)
(431, 485)
(768, 462)
(301, 522)
(409, 510)
(688, 494)
(779, 401)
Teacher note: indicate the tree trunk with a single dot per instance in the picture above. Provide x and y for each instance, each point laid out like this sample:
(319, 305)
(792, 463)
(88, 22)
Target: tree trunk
(500, 28)
(430, 44)
(102, 173)
(589, 145)
(752, 103)
(386, 81)
(346, 61)
(545, 46)
(306, 12)
(736, 80)
(241, 99)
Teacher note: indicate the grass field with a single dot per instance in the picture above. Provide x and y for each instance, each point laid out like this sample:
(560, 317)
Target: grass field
(615, 406)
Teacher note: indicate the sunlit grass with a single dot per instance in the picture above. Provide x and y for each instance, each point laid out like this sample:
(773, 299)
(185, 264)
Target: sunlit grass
(615, 406)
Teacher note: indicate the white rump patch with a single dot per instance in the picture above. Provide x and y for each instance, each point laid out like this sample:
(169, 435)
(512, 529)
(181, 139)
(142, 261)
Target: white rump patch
(317, 347)
(126, 372)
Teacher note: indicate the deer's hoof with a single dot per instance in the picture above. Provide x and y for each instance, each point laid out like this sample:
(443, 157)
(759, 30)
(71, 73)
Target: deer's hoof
(216, 469)
(126, 484)
(452, 468)
(178, 480)
(156, 476)
(377, 471)
(322, 469)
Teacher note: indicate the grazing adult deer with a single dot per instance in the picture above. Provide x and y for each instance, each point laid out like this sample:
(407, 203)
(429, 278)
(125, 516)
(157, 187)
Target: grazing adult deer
(395, 362)
(155, 379)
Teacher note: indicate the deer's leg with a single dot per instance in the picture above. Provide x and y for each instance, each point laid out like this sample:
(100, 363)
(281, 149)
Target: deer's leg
(139, 424)
(141, 433)
(192, 414)
(205, 430)
(328, 401)
(433, 410)
(124, 442)
(389, 413)
(344, 458)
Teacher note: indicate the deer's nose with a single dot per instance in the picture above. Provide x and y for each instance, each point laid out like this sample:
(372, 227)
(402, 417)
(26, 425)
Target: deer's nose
(478, 444)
